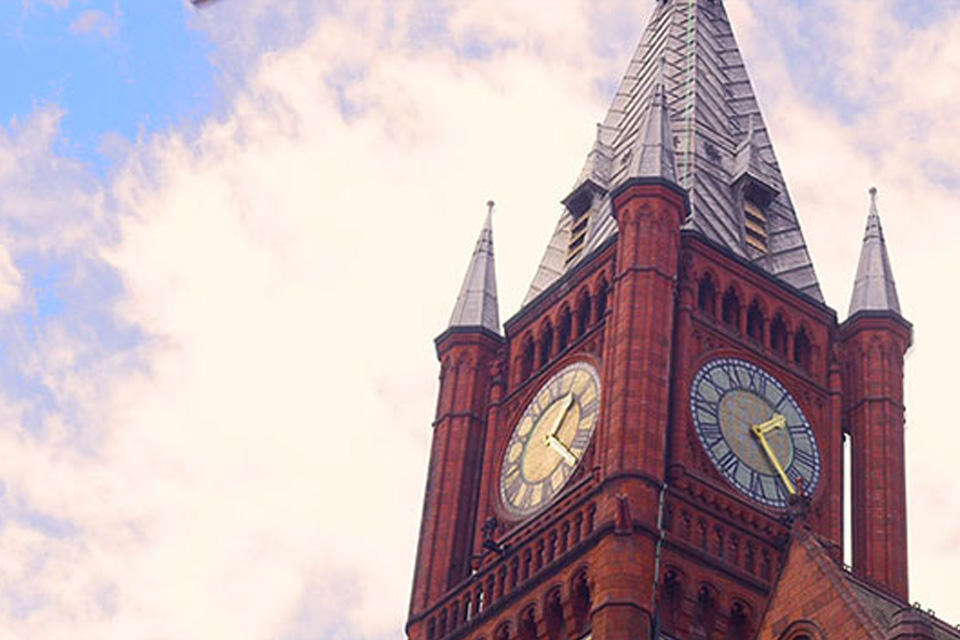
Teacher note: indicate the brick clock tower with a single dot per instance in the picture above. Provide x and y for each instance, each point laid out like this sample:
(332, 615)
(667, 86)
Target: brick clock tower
(653, 445)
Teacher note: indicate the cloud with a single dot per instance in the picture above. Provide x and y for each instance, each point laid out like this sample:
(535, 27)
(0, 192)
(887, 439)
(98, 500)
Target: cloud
(96, 22)
(265, 441)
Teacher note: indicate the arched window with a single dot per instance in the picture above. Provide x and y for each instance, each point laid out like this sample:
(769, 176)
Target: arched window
(546, 344)
(707, 296)
(553, 615)
(583, 315)
(706, 612)
(802, 630)
(672, 600)
(565, 328)
(802, 350)
(778, 336)
(738, 625)
(582, 601)
(603, 295)
(527, 629)
(502, 632)
(526, 358)
(731, 309)
(755, 321)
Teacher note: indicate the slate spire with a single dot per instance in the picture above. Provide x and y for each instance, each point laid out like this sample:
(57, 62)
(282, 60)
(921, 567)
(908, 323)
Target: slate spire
(688, 73)
(477, 304)
(874, 288)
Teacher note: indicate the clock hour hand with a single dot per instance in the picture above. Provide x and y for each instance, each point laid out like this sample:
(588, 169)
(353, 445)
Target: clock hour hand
(761, 431)
(554, 443)
(776, 422)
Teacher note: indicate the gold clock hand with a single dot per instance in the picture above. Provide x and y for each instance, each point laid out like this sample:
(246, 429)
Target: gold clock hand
(563, 415)
(776, 422)
(761, 431)
(554, 443)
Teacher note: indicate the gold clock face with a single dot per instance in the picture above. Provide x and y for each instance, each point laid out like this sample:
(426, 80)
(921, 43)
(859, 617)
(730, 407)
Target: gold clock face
(550, 439)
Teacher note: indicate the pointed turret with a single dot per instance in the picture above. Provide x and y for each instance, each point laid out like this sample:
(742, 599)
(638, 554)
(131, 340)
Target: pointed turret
(874, 288)
(477, 304)
(688, 76)
(652, 156)
(874, 339)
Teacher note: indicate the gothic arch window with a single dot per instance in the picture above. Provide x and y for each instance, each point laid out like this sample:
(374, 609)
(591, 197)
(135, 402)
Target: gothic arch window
(603, 299)
(527, 354)
(546, 343)
(583, 314)
(731, 309)
(582, 601)
(802, 351)
(527, 625)
(553, 616)
(778, 335)
(707, 295)
(565, 328)
(803, 630)
(739, 622)
(755, 321)
(502, 632)
(705, 617)
(672, 599)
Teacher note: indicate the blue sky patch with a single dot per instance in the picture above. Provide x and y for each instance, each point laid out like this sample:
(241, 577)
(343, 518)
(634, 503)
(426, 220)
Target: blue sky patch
(112, 68)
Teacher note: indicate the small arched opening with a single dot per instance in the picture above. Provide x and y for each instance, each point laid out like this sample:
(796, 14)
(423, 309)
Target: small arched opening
(802, 350)
(527, 626)
(731, 309)
(603, 299)
(707, 296)
(778, 336)
(582, 601)
(565, 328)
(755, 321)
(553, 616)
(583, 315)
(738, 623)
(546, 344)
(527, 354)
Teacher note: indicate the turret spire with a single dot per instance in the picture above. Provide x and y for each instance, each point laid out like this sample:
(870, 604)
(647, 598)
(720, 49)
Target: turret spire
(874, 288)
(477, 304)
(652, 156)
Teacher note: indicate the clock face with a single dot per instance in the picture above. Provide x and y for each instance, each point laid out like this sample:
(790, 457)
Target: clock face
(754, 431)
(550, 439)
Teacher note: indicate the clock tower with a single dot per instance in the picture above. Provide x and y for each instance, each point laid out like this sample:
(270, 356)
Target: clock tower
(648, 447)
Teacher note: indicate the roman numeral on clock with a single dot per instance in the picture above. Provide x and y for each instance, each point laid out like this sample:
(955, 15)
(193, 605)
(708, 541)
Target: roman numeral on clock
(729, 463)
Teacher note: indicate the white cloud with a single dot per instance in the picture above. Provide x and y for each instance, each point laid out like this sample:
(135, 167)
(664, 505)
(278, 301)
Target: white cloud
(253, 467)
(96, 22)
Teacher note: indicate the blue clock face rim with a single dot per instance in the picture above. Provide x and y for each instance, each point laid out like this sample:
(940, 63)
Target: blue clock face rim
(728, 397)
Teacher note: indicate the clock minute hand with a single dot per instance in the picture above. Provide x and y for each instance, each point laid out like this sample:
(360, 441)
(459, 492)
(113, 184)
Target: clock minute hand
(563, 415)
(761, 431)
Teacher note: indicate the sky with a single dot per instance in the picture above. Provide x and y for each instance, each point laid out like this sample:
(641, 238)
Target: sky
(228, 238)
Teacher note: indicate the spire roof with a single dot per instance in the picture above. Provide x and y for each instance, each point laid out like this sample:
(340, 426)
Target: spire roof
(477, 304)
(874, 288)
(688, 68)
